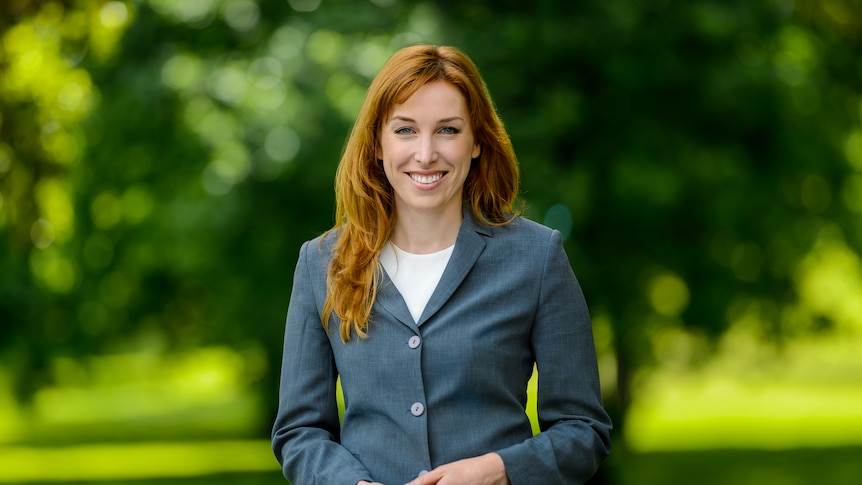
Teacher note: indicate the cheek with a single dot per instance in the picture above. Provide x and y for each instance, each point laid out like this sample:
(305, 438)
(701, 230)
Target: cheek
(391, 152)
(389, 170)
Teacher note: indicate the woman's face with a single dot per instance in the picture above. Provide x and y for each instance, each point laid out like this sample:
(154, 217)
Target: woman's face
(426, 146)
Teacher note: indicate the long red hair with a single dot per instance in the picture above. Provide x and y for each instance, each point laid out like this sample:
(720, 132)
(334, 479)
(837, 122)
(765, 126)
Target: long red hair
(365, 200)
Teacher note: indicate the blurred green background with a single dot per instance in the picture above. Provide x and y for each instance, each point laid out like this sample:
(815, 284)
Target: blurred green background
(161, 161)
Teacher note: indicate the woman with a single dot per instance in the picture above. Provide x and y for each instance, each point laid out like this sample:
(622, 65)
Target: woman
(432, 300)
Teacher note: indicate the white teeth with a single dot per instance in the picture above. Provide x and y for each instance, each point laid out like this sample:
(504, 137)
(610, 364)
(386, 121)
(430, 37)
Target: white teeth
(426, 179)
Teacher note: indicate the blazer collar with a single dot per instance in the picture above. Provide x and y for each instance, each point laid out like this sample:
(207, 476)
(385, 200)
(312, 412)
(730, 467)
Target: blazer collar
(468, 246)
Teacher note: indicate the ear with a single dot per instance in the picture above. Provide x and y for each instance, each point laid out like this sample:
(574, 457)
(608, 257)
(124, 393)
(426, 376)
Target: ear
(378, 153)
(477, 150)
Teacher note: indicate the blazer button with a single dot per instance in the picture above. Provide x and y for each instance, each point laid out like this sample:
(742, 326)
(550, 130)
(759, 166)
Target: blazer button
(417, 409)
(414, 342)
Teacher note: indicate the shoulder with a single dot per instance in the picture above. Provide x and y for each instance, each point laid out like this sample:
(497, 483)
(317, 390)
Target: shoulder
(528, 241)
(515, 226)
(318, 251)
(521, 228)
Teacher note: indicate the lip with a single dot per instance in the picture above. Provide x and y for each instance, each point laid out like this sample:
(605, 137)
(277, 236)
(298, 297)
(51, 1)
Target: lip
(426, 175)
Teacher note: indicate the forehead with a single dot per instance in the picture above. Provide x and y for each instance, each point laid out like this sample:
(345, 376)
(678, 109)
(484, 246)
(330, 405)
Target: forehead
(435, 96)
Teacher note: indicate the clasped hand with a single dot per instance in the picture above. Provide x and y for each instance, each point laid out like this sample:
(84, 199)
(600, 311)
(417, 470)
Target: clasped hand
(481, 470)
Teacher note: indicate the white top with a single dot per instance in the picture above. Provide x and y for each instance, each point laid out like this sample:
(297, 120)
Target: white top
(415, 275)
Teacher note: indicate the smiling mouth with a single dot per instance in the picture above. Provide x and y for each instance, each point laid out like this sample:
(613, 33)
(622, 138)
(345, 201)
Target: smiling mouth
(427, 179)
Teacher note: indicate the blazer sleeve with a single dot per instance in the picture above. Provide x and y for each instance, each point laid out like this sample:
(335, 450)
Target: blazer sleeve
(305, 435)
(575, 429)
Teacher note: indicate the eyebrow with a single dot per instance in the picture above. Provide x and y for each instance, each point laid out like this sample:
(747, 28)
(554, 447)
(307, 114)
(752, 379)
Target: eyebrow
(411, 120)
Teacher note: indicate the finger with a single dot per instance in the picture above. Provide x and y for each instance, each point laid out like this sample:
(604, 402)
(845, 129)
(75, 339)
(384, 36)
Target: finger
(429, 478)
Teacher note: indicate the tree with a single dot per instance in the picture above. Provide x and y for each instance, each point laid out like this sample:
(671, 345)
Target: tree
(163, 163)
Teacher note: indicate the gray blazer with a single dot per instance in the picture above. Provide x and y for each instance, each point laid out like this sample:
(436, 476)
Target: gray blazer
(452, 386)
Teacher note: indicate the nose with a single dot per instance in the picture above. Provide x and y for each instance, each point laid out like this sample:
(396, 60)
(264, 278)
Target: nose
(426, 150)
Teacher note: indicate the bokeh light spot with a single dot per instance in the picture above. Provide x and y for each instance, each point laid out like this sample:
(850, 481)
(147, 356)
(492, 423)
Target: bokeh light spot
(182, 71)
(70, 97)
(369, 59)
(63, 146)
(228, 84)
(345, 95)
(286, 43)
(269, 94)
(424, 20)
(55, 203)
(196, 13)
(325, 46)
(137, 204)
(668, 294)
(853, 149)
(231, 162)
(106, 210)
(282, 144)
(53, 271)
(114, 15)
(241, 15)
(795, 56)
(212, 125)
(304, 5)
(42, 233)
(265, 72)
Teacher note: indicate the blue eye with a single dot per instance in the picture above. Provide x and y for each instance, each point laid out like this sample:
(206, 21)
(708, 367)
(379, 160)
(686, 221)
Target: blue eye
(403, 131)
(449, 130)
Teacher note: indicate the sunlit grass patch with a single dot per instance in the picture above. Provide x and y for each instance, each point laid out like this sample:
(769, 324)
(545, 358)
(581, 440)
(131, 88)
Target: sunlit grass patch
(199, 394)
(806, 394)
(726, 414)
(102, 462)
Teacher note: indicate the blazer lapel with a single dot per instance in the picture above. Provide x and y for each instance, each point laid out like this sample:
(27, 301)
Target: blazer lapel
(391, 300)
(468, 246)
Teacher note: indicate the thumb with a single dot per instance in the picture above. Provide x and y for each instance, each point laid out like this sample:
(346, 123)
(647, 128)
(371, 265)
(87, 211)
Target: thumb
(429, 478)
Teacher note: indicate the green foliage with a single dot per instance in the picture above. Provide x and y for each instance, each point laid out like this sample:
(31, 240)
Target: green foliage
(161, 161)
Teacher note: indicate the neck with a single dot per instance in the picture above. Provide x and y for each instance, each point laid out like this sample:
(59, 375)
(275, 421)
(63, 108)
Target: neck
(425, 233)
